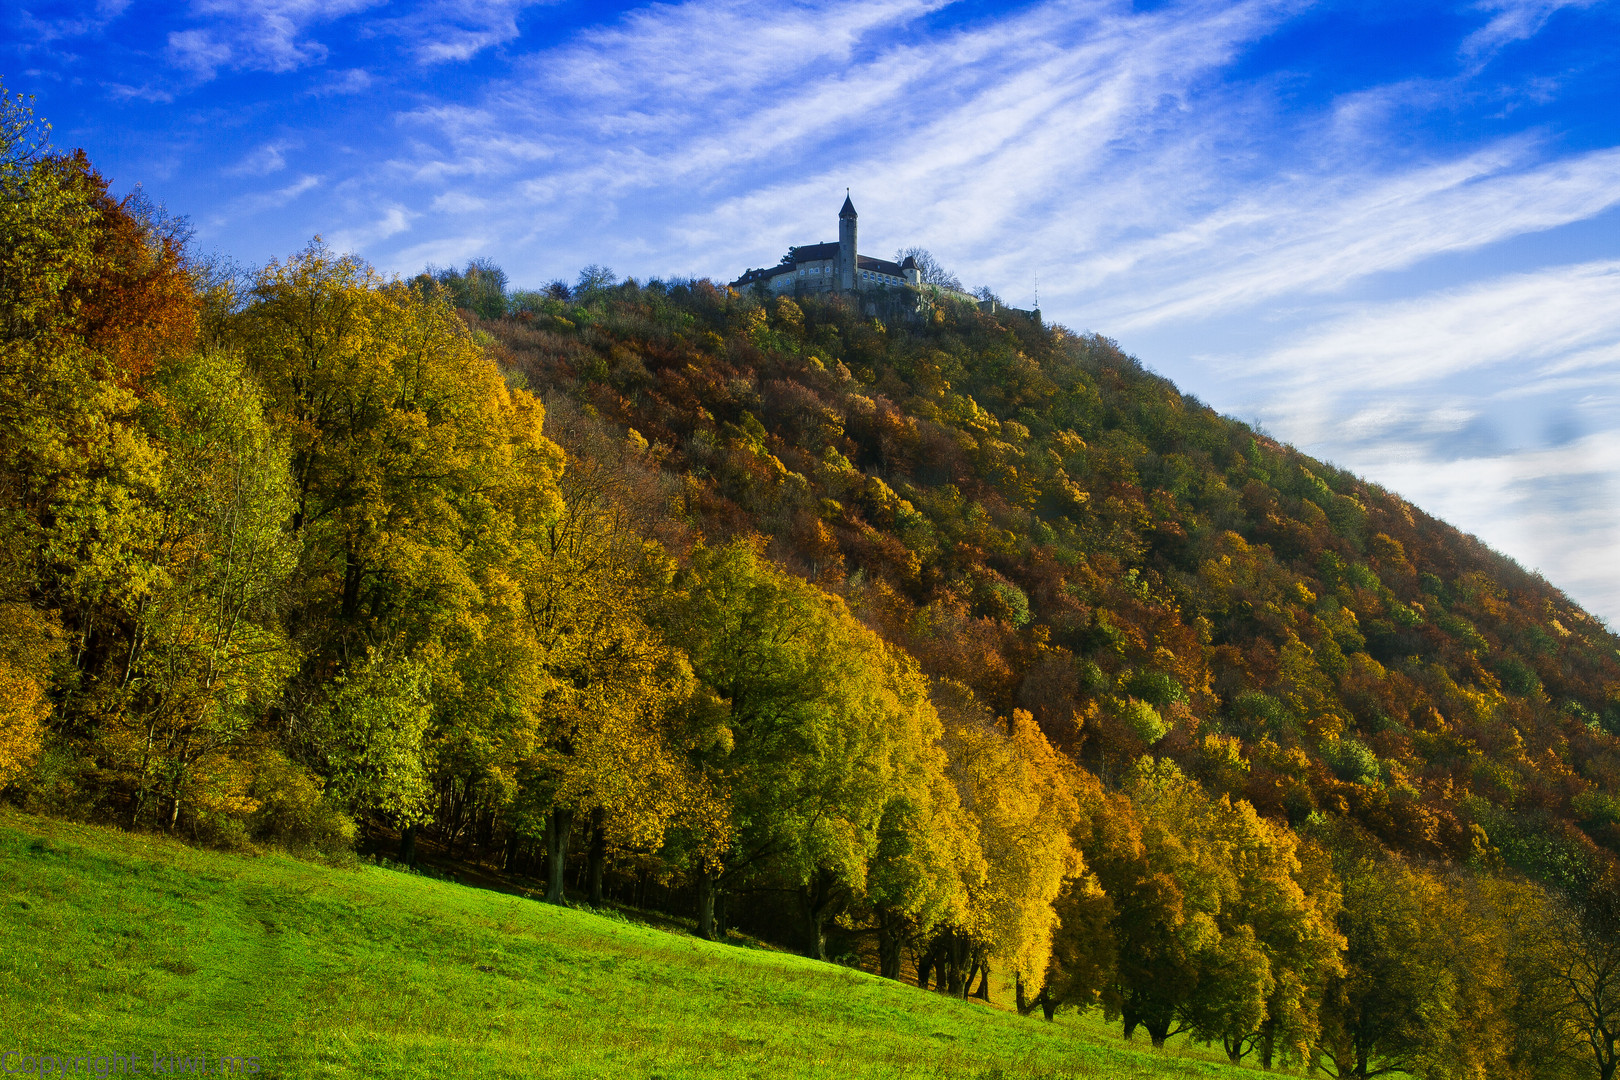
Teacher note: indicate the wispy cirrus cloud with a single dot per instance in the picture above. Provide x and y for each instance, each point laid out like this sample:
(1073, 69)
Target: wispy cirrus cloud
(1316, 237)
(1563, 321)
(346, 82)
(255, 35)
(666, 57)
(447, 31)
(270, 157)
(277, 35)
(259, 202)
(124, 92)
(1512, 20)
(393, 220)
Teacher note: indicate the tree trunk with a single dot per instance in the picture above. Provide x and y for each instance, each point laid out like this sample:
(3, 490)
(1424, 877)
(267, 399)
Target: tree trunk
(956, 954)
(1268, 1035)
(1020, 1000)
(1158, 1032)
(351, 585)
(1131, 1019)
(559, 823)
(815, 899)
(889, 942)
(486, 832)
(407, 846)
(814, 932)
(925, 965)
(706, 888)
(597, 858)
(983, 992)
(1048, 1004)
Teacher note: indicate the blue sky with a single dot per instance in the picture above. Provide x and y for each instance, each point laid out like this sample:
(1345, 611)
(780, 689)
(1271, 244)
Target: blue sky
(1390, 233)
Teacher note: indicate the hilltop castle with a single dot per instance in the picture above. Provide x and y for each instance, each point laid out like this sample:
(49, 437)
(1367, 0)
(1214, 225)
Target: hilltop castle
(840, 268)
(833, 267)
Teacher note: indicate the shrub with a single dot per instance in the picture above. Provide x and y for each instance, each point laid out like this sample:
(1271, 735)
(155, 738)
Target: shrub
(293, 812)
(1144, 720)
(1351, 761)
(1255, 715)
(1518, 677)
(1158, 688)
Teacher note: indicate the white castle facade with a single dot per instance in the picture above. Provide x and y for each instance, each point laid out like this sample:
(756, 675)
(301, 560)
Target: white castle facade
(833, 267)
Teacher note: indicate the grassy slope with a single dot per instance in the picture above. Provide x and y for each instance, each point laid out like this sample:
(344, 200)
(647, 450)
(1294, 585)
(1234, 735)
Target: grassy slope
(117, 943)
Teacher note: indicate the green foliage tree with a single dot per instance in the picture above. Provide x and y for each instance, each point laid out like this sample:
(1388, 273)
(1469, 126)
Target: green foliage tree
(1397, 1007)
(422, 484)
(814, 705)
(206, 656)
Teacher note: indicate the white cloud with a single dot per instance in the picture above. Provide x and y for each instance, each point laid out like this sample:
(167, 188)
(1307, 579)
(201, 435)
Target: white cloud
(665, 57)
(395, 219)
(1550, 322)
(198, 51)
(446, 31)
(259, 202)
(278, 35)
(262, 161)
(1322, 233)
(255, 35)
(350, 81)
(81, 24)
(1512, 20)
(459, 202)
(139, 93)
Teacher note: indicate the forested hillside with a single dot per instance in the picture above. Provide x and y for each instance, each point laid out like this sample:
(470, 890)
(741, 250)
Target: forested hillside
(958, 645)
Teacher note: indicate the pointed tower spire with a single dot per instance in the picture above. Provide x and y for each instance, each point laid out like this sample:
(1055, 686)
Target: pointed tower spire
(848, 259)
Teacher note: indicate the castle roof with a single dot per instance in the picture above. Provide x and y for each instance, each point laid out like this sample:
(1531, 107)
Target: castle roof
(817, 252)
(849, 208)
(881, 266)
(812, 252)
(765, 274)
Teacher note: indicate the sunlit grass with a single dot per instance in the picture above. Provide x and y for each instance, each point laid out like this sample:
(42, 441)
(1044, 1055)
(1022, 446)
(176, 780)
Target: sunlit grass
(134, 945)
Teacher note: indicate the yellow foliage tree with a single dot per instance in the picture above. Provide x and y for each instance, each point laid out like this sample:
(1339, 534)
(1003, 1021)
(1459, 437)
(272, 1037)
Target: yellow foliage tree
(27, 639)
(1019, 794)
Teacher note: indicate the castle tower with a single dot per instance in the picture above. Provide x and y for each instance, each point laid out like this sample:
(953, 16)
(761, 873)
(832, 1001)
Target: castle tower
(848, 271)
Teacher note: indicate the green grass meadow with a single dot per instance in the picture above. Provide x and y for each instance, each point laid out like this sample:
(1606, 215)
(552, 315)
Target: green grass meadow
(113, 943)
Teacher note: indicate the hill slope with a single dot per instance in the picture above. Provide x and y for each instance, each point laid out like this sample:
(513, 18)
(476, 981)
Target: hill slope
(116, 943)
(1030, 512)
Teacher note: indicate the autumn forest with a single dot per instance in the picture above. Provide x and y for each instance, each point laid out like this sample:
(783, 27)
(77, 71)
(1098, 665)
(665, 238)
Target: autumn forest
(959, 647)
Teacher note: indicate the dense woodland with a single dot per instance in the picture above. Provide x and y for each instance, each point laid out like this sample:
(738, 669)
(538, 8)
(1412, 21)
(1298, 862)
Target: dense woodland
(958, 645)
